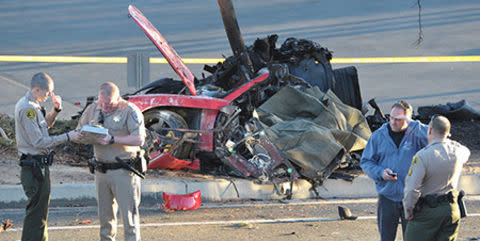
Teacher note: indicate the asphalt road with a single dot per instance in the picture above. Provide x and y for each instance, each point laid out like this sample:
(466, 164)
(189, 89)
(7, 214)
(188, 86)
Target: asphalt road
(350, 28)
(307, 220)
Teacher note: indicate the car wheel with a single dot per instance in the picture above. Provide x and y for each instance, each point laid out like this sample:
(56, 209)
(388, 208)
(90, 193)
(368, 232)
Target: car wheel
(158, 121)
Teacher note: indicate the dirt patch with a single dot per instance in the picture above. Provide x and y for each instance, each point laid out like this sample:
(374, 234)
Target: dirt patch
(468, 134)
(61, 173)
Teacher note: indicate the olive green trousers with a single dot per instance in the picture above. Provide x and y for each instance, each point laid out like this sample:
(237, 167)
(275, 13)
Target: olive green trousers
(38, 195)
(439, 223)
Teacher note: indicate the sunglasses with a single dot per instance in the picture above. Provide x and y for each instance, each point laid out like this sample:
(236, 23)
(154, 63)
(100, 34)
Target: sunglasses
(404, 104)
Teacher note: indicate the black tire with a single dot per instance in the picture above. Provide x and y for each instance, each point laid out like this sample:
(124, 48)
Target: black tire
(347, 87)
(157, 119)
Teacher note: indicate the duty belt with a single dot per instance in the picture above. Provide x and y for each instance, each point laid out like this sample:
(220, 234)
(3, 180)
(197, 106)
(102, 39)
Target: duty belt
(37, 163)
(103, 167)
(40, 159)
(445, 198)
(434, 200)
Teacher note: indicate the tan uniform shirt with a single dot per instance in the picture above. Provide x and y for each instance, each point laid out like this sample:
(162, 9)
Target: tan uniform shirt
(127, 119)
(31, 128)
(434, 170)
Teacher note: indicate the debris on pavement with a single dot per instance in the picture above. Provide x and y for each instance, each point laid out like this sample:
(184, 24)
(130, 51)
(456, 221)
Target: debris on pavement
(6, 224)
(83, 222)
(458, 111)
(345, 213)
(242, 225)
(183, 202)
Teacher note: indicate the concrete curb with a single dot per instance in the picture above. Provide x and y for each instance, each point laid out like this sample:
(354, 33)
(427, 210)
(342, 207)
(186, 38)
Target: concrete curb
(222, 190)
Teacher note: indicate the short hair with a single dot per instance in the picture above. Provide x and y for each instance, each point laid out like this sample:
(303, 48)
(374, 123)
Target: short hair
(440, 125)
(109, 89)
(406, 107)
(41, 80)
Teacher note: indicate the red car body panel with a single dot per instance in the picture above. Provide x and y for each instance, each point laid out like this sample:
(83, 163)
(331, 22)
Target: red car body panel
(180, 202)
(165, 160)
(146, 102)
(168, 52)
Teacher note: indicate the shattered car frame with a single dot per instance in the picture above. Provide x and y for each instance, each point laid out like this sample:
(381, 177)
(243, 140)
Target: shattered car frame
(185, 127)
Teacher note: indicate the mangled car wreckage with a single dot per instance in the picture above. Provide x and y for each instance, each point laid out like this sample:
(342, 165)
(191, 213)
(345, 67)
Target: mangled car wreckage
(267, 113)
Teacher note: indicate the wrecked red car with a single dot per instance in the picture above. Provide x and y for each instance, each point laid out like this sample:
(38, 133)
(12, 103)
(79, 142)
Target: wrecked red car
(188, 129)
(211, 123)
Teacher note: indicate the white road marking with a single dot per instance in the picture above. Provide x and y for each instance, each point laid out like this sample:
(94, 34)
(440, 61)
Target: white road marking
(14, 82)
(232, 222)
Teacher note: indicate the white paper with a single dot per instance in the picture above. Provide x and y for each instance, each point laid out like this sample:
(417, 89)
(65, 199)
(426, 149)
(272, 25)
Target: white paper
(92, 133)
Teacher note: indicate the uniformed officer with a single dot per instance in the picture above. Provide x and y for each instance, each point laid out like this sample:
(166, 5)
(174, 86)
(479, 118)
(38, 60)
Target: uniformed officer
(33, 144)
(116, 186)
(430, 199)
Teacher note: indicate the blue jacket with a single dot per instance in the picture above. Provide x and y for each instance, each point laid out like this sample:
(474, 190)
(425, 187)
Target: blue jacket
(381, 153)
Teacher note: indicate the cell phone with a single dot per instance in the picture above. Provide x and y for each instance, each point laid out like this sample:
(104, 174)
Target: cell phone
(393, 174)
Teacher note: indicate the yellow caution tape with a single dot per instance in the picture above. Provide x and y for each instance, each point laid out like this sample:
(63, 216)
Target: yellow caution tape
(187, 61)
(62, 59)
(426, 59)
(121, 60)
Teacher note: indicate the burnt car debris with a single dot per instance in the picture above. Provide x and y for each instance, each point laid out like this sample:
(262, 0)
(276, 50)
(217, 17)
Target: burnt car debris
(454, 111)
(231, 123)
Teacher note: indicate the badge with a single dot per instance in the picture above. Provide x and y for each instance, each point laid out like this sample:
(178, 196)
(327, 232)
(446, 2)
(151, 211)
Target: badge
(31, 114)
(116, 118)
(135, 117)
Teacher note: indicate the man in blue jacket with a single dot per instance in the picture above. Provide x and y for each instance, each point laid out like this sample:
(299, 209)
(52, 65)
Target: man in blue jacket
(386, 159)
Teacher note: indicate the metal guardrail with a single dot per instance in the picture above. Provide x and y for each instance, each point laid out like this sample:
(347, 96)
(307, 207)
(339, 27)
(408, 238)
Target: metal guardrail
(121, 60)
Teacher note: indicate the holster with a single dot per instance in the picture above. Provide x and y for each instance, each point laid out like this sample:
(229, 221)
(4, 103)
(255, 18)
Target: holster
(35, 165)
(133, 164)
(139, 163)
(92, 164)
(419, 205)
(49, 158)
(461, 204)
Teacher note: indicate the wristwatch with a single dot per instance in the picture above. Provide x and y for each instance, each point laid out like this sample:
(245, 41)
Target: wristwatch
(112, 140)
(57, 109)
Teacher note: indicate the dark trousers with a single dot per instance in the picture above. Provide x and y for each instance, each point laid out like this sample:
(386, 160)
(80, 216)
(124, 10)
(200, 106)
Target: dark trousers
(38, 195)
(389, 215)
(439, 223)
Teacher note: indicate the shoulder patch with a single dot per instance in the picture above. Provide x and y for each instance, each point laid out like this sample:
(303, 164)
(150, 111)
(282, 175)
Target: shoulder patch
(414, 162)
(31, 114)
